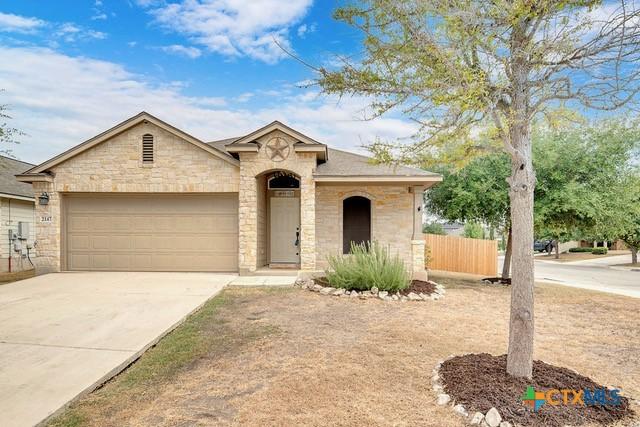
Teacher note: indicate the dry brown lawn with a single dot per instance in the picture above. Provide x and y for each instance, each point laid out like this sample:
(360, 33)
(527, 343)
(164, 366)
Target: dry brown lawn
(289, 357)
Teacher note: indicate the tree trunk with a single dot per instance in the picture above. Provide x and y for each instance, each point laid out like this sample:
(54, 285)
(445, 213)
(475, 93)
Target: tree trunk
(634, 255)
(557, 243)
(506, 267)
(521, 185)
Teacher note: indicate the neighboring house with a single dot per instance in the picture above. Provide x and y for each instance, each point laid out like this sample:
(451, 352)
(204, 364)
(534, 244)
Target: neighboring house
(17, 215)
(453, 228)
(147, 196)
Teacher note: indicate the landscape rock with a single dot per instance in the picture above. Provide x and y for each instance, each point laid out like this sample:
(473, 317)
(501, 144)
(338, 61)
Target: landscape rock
(437, 388)
(443, 399)
(382, 294)
(338, 292)
(374, 290)
(477, 418)
(459, 409)
(317, 288)
(327, 290)
(353, 294)
(394, 297)
(493, 417)
(414, 297)
(505, 424)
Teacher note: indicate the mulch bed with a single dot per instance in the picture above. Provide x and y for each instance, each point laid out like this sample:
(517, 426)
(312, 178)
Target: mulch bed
(498, 280)
(480, 382)
(419, 287)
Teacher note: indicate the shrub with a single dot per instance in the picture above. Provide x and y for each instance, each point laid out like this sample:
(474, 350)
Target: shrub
(473, 230)
(433, 228)
(599, 251)
(368, 265)
(581, 250)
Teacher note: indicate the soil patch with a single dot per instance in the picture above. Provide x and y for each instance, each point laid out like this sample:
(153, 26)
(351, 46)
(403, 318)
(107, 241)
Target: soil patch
(480, 382)
(419, 287)
(498, 280)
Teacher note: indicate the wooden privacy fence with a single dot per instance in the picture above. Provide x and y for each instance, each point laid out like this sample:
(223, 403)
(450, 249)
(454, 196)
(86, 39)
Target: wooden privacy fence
(462, 255)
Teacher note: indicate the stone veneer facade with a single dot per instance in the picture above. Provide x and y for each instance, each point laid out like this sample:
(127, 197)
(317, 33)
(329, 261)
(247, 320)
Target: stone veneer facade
(252, 167)
(115, 166)
(391, 218)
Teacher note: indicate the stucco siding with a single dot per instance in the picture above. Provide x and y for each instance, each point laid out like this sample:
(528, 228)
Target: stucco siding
(391, 219)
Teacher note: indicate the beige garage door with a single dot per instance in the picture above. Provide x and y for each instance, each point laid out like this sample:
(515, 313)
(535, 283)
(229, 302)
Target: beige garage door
(151, 233)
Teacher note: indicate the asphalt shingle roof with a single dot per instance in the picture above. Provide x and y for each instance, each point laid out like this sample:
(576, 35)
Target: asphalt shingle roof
(9, 168)
(344, 163)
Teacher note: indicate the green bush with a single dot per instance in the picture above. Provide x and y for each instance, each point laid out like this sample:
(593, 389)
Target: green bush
(473, 230)
(368, 265)
(433, 228)
(600, 251)
(581, 250)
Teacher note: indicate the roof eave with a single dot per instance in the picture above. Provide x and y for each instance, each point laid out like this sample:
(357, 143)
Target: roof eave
(118, 129)
(394, 179)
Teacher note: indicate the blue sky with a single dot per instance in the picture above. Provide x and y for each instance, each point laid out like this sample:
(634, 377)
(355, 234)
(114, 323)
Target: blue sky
(71, 69)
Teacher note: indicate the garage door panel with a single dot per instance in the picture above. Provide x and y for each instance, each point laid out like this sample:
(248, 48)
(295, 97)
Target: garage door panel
(152, 233)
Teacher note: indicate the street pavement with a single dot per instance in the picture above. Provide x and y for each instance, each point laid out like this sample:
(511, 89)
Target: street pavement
(597, 274)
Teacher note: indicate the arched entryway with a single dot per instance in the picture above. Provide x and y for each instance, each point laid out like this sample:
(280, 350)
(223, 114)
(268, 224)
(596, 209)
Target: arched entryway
(279, 219)
(356, 221)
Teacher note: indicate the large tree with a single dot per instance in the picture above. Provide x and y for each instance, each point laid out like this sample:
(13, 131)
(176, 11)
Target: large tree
(8, 134)
(451, 64)
(478, 192)
(584, 180)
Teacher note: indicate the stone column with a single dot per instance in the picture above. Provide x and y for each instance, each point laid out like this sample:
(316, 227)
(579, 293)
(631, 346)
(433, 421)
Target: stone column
(307, 223)
(47, 227)
(418, 270)
(247, 222)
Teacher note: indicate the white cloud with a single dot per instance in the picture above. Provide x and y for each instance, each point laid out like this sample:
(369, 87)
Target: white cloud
(99, 16)
(244, 97)
(178, 49)
(233, 27)
(79, 97)
(71, 32)
(305, 29)
(19, 24)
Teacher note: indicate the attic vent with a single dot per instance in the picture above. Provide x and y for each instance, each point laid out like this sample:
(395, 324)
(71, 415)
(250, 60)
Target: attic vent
(147, 148)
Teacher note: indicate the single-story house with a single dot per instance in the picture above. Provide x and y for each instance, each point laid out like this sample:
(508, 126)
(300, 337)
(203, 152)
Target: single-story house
(146, 196)
(17, 217)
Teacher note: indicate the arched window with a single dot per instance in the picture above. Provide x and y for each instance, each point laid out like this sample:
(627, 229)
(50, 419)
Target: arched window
(147, 148)
(282, 180)
(356, 221)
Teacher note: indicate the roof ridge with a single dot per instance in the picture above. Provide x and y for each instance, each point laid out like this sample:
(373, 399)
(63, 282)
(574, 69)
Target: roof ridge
(16, 160)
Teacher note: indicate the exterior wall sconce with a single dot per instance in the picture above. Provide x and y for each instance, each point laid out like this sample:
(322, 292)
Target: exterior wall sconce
(43, 199)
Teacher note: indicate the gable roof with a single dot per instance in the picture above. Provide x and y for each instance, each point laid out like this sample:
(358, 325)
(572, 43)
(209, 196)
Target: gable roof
(275, 125)
(9, 186)
(121, 127)
(343, 165)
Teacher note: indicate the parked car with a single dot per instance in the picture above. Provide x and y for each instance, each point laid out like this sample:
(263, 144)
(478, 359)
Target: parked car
(543, 245)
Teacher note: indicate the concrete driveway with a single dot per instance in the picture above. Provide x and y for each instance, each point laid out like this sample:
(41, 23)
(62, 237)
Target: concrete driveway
(62, 335)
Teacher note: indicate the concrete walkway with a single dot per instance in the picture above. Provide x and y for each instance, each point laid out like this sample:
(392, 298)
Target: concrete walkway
(62, 335)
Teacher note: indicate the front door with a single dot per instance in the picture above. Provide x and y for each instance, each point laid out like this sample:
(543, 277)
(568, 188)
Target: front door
(285, 230)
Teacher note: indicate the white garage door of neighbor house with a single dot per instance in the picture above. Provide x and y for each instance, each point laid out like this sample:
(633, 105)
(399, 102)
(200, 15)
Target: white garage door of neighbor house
(151, 232)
